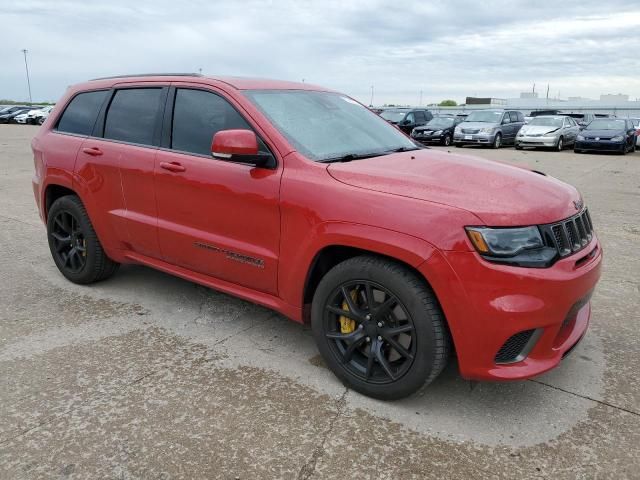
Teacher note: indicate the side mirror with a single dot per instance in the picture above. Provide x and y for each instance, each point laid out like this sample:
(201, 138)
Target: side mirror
(406, 122)
(239, 146)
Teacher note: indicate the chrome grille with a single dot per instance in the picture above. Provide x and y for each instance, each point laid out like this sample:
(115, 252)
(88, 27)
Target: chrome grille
(570, 235)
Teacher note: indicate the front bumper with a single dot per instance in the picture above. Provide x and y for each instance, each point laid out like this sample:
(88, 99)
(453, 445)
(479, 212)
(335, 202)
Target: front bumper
(475, 138)
(429, 138)
(486, 304)
(526, 141)
(600, 145)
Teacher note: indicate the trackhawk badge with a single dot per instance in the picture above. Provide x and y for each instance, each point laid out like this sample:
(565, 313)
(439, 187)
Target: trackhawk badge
(578, 204)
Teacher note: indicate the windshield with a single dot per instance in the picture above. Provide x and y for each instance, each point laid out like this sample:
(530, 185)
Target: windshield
(393, 115)
(440, 122)
(486, 116)
(606, 124)
(325, 125)
(546, 122)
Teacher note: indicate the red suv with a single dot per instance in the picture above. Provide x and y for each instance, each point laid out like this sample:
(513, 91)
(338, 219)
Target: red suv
(302, 200)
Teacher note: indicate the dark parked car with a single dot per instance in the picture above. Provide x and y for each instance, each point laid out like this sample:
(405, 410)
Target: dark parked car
(607, 134)
(407, 118)
(438, 130)
(7, 114)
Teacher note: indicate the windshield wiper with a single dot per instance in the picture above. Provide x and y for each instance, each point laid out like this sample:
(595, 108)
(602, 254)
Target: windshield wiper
(351, 156)
(403, 149)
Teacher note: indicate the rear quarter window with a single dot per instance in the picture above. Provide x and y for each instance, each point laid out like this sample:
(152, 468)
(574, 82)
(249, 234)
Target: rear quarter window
(80, 115)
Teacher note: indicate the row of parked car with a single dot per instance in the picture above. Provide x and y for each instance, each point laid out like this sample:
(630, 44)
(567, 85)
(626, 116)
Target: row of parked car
(499, 127)
(24, 114)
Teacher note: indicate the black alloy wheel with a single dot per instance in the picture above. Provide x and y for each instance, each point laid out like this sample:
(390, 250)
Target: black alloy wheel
(74, 244)
(379, 327)
(69, 244)
(378, 344)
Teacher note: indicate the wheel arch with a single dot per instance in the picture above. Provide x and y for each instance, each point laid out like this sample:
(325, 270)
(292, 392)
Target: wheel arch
(54, 191)
(331, 255)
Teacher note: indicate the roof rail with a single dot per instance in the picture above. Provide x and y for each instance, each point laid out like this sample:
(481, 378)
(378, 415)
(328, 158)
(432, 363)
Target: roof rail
(150, 75)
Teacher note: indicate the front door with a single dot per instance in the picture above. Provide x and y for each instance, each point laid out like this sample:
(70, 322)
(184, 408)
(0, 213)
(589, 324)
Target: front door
(215, 217)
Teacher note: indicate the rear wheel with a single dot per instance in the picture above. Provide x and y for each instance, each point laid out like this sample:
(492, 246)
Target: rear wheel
(497, 141)
(74, 245)
(379, 327)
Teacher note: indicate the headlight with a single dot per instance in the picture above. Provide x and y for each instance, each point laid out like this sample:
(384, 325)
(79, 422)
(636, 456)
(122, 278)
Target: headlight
(486, 130)
(504, 242)
(580, 137)
(618, 138)
(521, 246)
(438, 132)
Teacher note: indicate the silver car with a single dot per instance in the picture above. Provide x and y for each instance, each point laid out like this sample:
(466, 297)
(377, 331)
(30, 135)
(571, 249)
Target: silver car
(489, 127)
(550, 131)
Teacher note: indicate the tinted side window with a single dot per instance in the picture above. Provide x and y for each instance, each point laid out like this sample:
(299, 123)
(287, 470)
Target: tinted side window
(520, 117)
(132, 115)
(420, 116)
(197, 116)
(80, 116)
(514, 116)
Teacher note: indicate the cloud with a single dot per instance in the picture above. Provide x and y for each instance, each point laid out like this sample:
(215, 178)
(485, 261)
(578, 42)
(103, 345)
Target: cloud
(443, 48)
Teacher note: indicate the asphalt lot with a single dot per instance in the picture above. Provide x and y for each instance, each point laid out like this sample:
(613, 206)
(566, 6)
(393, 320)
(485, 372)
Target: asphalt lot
(149, 376)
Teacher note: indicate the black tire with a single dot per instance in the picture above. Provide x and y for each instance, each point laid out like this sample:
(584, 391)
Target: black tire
(422, 351)
(74, 245)
(560, 144)
(497, 141)
(447, 140)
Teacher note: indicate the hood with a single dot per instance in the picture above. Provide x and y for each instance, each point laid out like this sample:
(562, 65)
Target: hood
(602, 133)
(538, 129)
(498, 194)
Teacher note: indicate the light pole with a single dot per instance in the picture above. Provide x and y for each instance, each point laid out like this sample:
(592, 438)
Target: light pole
(371, 102)
(26, 67)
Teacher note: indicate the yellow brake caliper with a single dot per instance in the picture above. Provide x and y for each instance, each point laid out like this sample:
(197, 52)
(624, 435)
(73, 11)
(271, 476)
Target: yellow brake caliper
(348, 325)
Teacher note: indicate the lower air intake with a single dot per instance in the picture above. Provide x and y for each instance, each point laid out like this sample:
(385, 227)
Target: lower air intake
(512, 350)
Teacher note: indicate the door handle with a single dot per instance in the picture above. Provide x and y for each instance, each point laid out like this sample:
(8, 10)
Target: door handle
(93, 151)
(172, 166)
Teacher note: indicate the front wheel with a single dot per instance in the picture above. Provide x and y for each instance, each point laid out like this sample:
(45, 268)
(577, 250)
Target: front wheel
(497, 141)
(379, 327)
(74, 245)
(560, 144)
(447, 140)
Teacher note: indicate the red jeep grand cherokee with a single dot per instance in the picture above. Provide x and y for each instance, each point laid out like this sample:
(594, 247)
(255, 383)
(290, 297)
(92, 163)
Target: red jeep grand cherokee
(304, 201)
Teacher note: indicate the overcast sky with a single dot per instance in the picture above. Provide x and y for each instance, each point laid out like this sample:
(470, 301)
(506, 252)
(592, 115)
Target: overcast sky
(446, 49)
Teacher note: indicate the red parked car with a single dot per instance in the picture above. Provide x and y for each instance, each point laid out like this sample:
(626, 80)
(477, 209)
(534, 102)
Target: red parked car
(303, 200)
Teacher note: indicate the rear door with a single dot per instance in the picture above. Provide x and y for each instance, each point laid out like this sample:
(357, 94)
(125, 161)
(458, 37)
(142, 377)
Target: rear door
(216, 217)
(119, 166)
(507, 128)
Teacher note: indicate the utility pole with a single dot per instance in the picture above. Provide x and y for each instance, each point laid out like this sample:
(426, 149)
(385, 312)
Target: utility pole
(26, 67)
(371, 102)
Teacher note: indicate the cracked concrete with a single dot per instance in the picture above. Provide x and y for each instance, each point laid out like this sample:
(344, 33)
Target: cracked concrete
(149, 376)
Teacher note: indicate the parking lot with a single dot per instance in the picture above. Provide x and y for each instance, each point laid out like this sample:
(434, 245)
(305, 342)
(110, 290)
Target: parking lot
(149, 376)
